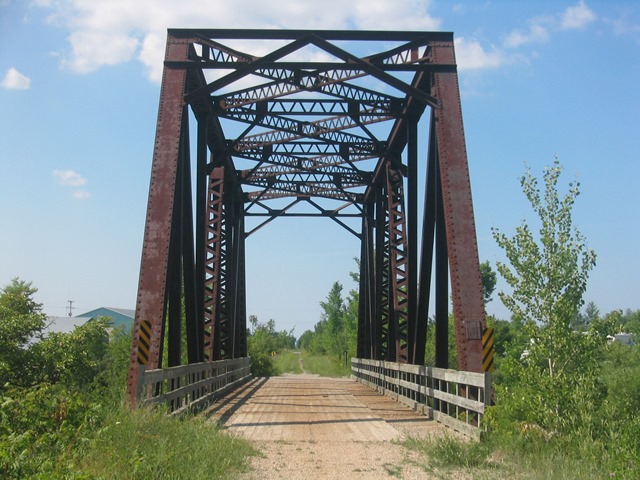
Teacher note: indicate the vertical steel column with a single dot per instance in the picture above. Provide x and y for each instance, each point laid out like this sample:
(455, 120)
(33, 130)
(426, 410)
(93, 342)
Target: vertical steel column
(226, 331)
(398, 284)
(366, 307)
(221, 333)
(191, 300)
(381, 280)
(363, 280)
(213, 254)
(238, 305)
(152, 284)
(173, 307)
(202, 185)
(468, 306)
(242, 291)
(412, 237)
(441, 278)
(173, 296)
(426, 256)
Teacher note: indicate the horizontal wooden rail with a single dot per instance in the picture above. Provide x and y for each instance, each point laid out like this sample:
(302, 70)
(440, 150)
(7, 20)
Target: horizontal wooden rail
(454, 398)
(190, 387)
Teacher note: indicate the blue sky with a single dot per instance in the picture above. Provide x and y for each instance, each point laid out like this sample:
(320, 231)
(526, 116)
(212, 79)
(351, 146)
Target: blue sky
(79, 91)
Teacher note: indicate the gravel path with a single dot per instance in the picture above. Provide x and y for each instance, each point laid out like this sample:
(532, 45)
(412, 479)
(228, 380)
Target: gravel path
(310, 427)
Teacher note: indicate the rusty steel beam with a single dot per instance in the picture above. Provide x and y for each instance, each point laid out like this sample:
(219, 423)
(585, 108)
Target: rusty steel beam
(150, 304)
(466, 284)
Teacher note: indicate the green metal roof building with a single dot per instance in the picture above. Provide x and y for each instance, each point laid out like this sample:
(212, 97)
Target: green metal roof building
(119, 316)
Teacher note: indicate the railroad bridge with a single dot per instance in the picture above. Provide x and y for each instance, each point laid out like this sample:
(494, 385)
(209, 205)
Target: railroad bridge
(288, 123)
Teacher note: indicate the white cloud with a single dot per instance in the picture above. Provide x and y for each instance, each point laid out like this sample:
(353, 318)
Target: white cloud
(623, 25)
(470, 55)
(541, 28)
(108, 33)
(578, 16)
(81, 195)
(69, 178)
(390, 15)
(152, 45)
(538, 32)
(91, 50)
(14, 80)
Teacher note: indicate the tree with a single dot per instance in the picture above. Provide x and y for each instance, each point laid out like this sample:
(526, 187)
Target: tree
(263, 341)
(583, 320)
(331, 325)
(489, 280)
(337, 330)
(21, 325)
(77, 357)
(631, 321)
(556, 384)
(548, 275)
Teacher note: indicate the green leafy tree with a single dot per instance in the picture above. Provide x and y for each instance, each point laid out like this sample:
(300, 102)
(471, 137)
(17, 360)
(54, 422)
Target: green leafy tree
(76, 358)
(630, 322)
(304, 342)
(350, 323)
(548, 274)
(489, 279)
(337, 330)
(21, 325)
(263, 342)
(555, 382)
(583, 320)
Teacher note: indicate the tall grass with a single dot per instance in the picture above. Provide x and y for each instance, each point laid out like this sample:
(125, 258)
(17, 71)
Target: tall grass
(528, 456)
(325, 366)
(287, 361)
(144, 444)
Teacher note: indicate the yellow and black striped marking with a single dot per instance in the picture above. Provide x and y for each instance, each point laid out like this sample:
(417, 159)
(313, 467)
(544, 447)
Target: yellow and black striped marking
(144, 340)
(487, 349)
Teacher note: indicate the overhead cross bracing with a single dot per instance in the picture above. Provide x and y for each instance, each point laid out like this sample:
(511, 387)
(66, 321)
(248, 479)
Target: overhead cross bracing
(300, 124)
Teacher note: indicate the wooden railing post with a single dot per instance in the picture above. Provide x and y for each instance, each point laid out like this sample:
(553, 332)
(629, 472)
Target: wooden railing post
(442, 394)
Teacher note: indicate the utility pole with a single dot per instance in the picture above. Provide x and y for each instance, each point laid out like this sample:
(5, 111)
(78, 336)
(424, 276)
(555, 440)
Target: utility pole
(70, 306)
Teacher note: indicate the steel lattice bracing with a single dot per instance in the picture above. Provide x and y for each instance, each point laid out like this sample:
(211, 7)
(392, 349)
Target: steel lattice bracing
(280, 135)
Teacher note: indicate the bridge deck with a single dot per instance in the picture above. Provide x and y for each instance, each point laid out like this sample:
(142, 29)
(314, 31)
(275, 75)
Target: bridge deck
(316, 409)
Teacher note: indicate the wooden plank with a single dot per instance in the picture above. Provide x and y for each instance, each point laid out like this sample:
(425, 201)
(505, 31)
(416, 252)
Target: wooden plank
(466, 378)
(242, 369)
(201, 367)
(465, 403)
(187, 389)
(456, 424)
(210, 397)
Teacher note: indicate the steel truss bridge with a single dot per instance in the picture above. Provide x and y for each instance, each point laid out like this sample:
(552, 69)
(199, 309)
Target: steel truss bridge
(308, 123)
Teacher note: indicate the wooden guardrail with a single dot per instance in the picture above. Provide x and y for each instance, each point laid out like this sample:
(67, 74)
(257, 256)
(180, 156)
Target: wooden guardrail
(191, 387)
(454, 398)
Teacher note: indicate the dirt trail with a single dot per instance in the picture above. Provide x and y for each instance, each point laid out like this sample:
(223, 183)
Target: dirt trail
(301, 363)
(310, 427)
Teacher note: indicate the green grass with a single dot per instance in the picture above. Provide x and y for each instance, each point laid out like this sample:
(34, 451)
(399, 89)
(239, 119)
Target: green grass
(145, 444)
(324, 366)
(287, 361)
(515, 458)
